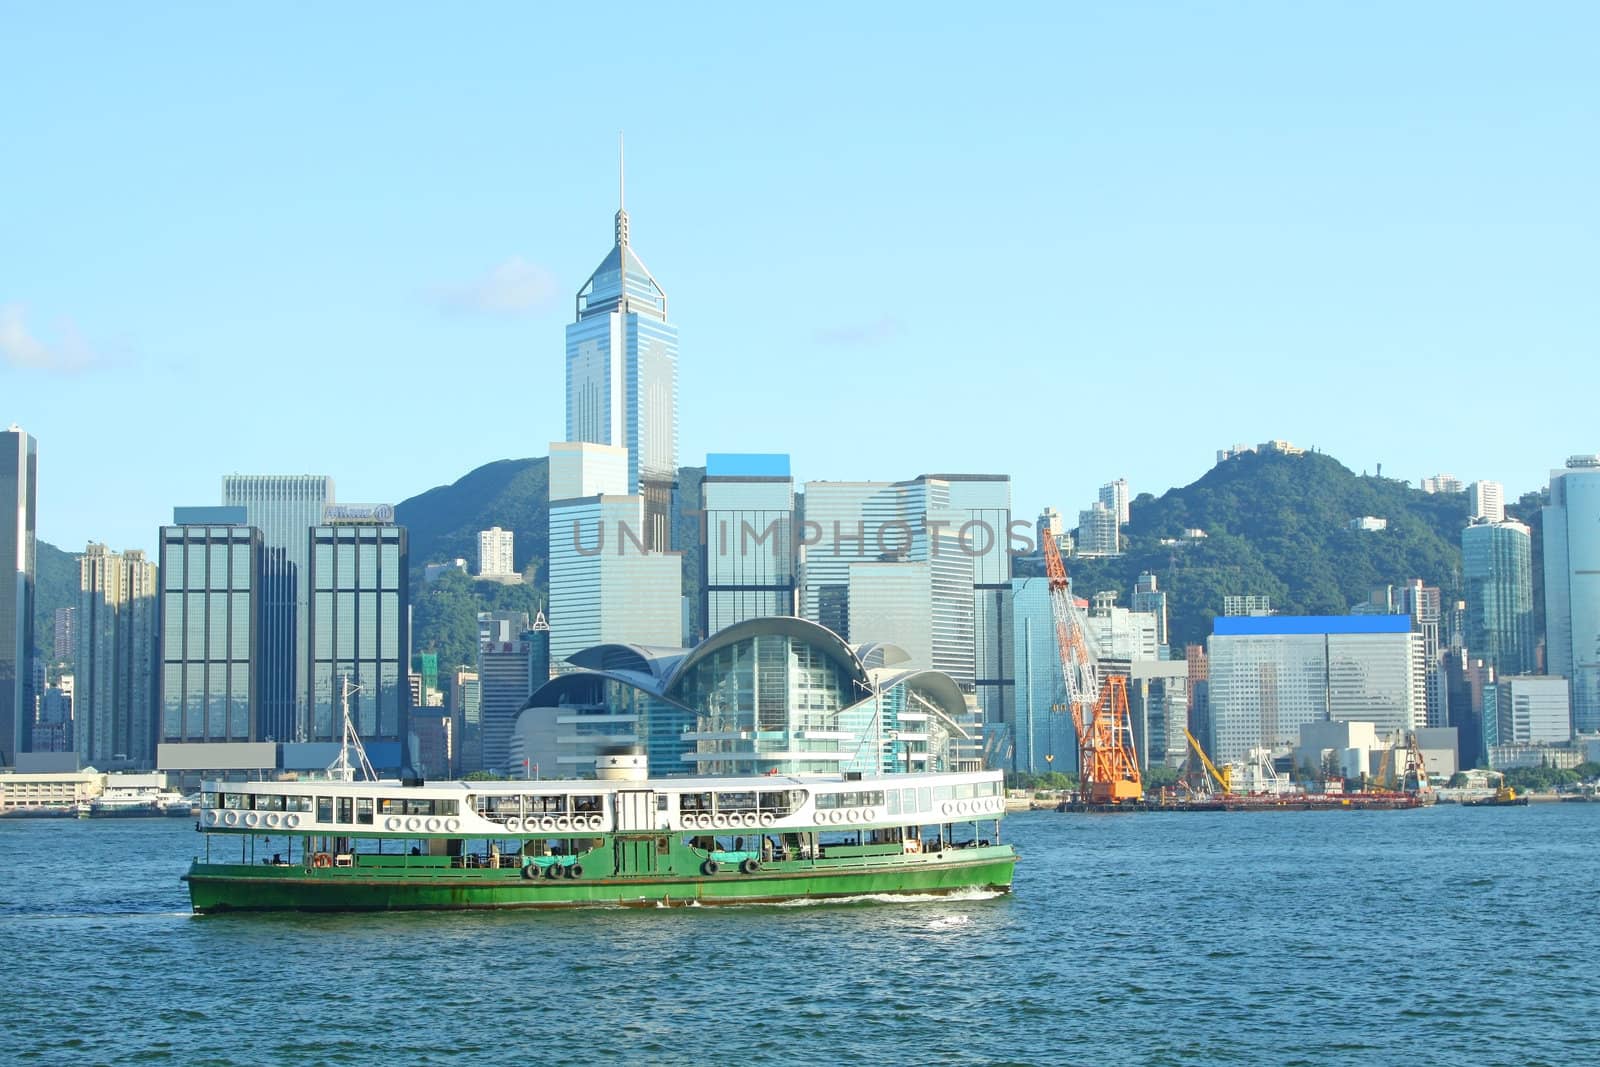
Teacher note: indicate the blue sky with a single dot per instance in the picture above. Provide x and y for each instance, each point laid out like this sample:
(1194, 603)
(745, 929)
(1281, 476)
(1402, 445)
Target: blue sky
(1068, 242)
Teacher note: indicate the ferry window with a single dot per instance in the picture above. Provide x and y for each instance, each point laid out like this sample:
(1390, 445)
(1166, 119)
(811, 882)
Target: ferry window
(731, 802)
(924, 798)
(941, 792)
(296, 803)
(387, 806)
(587, 803)
(364, 810)
(419, 807)
(324, 809)
(964, 791)
(694, 802)
(269, 802)
(782, 802)
(445, 807)
(894, 802)
(236, 801)
(546, 805)
(344, 809)
(877, 798)
(908, 800)
(826, 801)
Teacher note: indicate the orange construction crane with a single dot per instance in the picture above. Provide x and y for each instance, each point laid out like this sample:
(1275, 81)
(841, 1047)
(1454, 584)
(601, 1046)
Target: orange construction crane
(1108, 766)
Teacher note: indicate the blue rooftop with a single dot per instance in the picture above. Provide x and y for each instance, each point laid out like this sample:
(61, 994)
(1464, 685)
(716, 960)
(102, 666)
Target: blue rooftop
(1279, 625)
(747, 465)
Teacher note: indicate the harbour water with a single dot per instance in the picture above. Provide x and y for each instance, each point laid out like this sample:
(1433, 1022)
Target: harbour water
(1446, 935)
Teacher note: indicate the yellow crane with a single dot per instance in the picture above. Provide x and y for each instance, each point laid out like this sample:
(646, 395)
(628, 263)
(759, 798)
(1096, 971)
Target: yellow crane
(1223, 778)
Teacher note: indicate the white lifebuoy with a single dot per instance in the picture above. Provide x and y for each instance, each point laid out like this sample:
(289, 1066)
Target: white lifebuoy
(595, 822)
(514, 825)
(767, 818)
(413, 824)
(946, 807)
(563, 823)
(272, 819)
(252, 820)
(750, 819)
(547, 823)
(291, 821)
(719, 820)
(857, 815)
(212, 818)
(452, 825)
(392, 823)
(432, 825)
(230, 818)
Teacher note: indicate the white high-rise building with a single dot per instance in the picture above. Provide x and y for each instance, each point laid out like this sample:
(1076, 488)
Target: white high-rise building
(1114, 495)
(1441, 483)
(1487, 501)
(607, 584)
(1269, 675)
(495, 553)
(1097, 531)
(1572, 585)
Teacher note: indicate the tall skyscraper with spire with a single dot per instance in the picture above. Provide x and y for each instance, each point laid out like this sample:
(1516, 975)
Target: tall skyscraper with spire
(622, 373)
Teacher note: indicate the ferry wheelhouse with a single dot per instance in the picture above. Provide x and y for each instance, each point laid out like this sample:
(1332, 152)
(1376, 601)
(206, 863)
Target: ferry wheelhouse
(619, 840)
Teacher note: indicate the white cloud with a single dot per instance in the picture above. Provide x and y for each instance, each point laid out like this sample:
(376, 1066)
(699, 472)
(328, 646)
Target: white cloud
(861, 334)
(512, 287)
(69, 354)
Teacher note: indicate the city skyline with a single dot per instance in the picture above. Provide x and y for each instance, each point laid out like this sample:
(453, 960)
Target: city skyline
(252, 247)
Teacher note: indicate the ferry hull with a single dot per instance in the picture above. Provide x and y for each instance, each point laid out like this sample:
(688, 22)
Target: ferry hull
(216, 888)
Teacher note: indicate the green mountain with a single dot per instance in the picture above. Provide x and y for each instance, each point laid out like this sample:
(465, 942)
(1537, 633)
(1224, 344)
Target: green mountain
(443, 523)
(1279, 525)
(55, 586)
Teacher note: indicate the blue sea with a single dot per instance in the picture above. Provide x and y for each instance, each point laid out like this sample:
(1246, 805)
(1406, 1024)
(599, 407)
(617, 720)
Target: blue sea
(1440, 936)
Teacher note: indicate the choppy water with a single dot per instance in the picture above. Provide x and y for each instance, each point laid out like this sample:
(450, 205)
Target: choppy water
(1441, 936)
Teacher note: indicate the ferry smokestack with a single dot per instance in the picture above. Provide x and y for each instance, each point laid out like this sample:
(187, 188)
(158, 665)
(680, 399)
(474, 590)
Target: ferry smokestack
(622, 763)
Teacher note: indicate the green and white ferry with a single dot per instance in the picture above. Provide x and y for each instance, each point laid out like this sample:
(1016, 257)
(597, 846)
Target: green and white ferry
(620, 839)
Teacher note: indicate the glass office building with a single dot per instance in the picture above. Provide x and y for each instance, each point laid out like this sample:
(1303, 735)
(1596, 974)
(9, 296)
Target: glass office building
(359, 628)
(1269, 675)
(1497, 566)
(1043, 736)
(115, 659)
(1572, 585)
(622, 377)
(210, 633)
(19, 474)
(284, 507)
(749, 550)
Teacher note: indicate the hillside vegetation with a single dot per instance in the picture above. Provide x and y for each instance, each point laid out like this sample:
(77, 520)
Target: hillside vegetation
(1279, 525)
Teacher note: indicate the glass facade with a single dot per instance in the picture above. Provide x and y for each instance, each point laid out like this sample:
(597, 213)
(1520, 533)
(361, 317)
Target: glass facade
(1497, 566)
(358, 626)
(749, 547)
(283, 507)
(1271, 675)
(622, 377)
(115, 697)
(1571, 528)
(210, 634)
(19, 473)
(603, 586)
(1043, 735)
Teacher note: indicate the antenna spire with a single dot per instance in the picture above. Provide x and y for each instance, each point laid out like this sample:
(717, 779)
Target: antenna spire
(622, 190)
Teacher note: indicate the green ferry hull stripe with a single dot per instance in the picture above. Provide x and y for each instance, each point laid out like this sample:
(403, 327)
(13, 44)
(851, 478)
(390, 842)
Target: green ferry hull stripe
(239, 887)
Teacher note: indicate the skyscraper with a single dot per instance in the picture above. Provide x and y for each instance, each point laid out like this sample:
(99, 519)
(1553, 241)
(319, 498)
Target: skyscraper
(115, 712)
(622, 376)
(1151, 600)
(1497, 566)
(19, 474)
(1572, 585)
(1097, 531)
(283, 507)
(748, 505)
(505, 654)
(359, 628)
(606, 583)
(210, 647)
